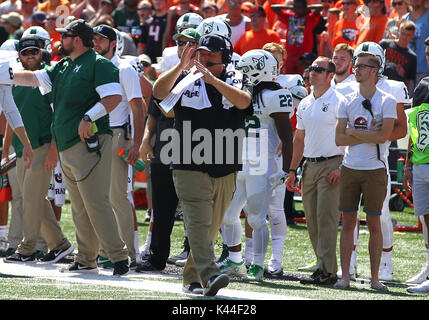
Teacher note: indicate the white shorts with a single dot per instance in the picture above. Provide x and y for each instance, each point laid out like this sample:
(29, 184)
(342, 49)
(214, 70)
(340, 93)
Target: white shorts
(421, 189)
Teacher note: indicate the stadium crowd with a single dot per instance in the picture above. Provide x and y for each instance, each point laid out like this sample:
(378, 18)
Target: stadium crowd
(358, 64)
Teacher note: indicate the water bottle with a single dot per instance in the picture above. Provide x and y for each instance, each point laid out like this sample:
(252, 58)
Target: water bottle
(140, 165)
(400, 169)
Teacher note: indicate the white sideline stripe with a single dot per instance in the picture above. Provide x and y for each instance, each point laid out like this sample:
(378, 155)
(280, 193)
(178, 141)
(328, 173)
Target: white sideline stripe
(131, 281)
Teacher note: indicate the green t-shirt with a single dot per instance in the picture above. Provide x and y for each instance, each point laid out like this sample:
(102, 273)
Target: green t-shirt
(419, 133)
(74, 85)
(36, 114)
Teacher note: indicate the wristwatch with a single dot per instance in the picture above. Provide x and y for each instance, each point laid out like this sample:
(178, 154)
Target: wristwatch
(86, 118)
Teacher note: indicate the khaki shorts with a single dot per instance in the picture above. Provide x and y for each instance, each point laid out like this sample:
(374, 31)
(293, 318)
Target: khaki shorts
(371, 184)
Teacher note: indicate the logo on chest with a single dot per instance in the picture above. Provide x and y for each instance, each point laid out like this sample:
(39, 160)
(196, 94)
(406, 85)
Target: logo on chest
(77, 68)
(360, 123)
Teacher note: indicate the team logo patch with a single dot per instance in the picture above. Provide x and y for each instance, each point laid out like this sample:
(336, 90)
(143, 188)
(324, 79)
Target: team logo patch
(423, 126)
(259, 63)
(325, 107)
(360, 123)
(208, 27)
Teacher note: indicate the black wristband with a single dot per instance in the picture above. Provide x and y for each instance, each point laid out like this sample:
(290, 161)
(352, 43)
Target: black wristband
(291, 170)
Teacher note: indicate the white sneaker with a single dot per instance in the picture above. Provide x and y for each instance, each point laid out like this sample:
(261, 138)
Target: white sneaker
(422, 288)
(255, 273)
(386, 272)
(420, 278)
(181, 256)
(274, 268)
(353, 273)
(181, 262)
(234, 269)
(4, 244)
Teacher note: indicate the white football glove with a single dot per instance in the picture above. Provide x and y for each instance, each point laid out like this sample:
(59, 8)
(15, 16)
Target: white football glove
(277, 179)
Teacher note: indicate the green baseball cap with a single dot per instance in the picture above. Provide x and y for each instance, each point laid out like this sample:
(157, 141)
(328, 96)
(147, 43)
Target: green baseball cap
(190, 33)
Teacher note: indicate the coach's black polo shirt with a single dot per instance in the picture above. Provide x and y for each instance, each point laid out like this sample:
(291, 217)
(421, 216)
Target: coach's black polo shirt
(215, 117)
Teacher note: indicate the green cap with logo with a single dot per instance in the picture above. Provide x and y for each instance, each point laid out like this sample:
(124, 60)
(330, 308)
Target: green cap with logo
(190, 33)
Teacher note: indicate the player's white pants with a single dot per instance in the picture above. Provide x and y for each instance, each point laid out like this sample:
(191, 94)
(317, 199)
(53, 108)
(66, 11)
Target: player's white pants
(255, 191)
(278, 226)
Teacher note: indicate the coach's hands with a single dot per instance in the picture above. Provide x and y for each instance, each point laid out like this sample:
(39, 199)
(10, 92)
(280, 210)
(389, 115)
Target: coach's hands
(51, 159)
(85, 130)
(186, 60)
(334, 176)
(133, 155)
(146, 151)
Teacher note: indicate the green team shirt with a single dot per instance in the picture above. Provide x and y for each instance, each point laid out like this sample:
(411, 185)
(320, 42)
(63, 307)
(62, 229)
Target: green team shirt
(419, 133)
(36, 114)
(75, 89)
(124, 19)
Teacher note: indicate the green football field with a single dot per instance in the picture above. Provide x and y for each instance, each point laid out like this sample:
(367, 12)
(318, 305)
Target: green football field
(409, 257)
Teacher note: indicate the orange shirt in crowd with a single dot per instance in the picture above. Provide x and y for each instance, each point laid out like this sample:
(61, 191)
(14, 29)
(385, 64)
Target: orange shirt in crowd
(271, 16)
(344, 32)
(372, 29)
(255, 40)
(49, 7)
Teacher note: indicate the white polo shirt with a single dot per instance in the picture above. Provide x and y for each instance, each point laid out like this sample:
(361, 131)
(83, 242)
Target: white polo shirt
(318, 118)
(130, 87)
(364, 156)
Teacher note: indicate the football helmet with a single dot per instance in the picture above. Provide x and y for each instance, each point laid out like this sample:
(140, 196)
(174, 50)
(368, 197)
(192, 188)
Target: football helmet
(374, 49)
(119, 43)
(41, 34)
(188, 20)
(215, 25)
(259, 65)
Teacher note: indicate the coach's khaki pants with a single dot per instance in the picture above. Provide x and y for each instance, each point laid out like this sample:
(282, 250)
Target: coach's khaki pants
(204, 202)
(91, 210)
(320, 200)
(38, 215)
(119, 193)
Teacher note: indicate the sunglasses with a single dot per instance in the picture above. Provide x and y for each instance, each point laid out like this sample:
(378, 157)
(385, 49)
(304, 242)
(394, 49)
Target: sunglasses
(181, 43)
(362, 66)
(317, 69)
(368, 1)
(145, 64)
(257, 15)
(30, 52)
(68, 35)
(349, 3)
(397, 4)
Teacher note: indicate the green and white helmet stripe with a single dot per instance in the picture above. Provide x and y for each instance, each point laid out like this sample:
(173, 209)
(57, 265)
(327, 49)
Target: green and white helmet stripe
(215, 25)
(188, 20)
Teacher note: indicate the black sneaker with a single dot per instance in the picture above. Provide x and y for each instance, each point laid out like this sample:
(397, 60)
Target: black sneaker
(19, 258)
(54, 256)
(321, 279)
(193, 288)
(121, 268)
(77, 267)
(316, 274)
(147, 266)
(215, 284)
(8, 252)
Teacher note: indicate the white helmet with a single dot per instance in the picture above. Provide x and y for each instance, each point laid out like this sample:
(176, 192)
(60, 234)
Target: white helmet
(259, 65)
(135, 63)
(40, 34)
(374, 49)
(188, 20)
(298, 91)
(10, 45)
(215, 25)
(119, 43)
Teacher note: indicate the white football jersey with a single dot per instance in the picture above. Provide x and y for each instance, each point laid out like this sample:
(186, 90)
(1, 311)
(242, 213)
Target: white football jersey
(262, 139)
(288, 81)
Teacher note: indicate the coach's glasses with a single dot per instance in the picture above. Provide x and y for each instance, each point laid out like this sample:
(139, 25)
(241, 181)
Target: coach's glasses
(68, 35)
(397, 4)
(362, 66)
(317, 69)
(30, 52)
(181, 43)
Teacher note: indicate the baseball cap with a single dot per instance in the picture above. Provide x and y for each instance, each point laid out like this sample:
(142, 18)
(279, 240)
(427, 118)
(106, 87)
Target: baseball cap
(105, 31)
(145, 58)
(257, 9)
(13, 18)
(212, 43)
(78, 27)
(210, 4)
(27, 42)
(38, 16)
(190, 33)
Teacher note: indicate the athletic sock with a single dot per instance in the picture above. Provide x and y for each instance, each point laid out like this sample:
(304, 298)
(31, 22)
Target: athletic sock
(235, 256)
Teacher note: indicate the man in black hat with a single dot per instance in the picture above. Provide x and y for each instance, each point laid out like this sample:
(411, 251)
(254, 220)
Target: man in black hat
(84, 88)
(34, 182)
(120, 122)
(205, 184)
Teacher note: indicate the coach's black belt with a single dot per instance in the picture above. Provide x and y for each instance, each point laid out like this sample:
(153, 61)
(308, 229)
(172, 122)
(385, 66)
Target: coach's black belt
(320, 159)
(120, 127)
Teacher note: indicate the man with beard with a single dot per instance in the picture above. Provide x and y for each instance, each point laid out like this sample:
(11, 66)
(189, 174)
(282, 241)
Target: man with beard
(85, 88)
(343, 60)
(38, 215)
